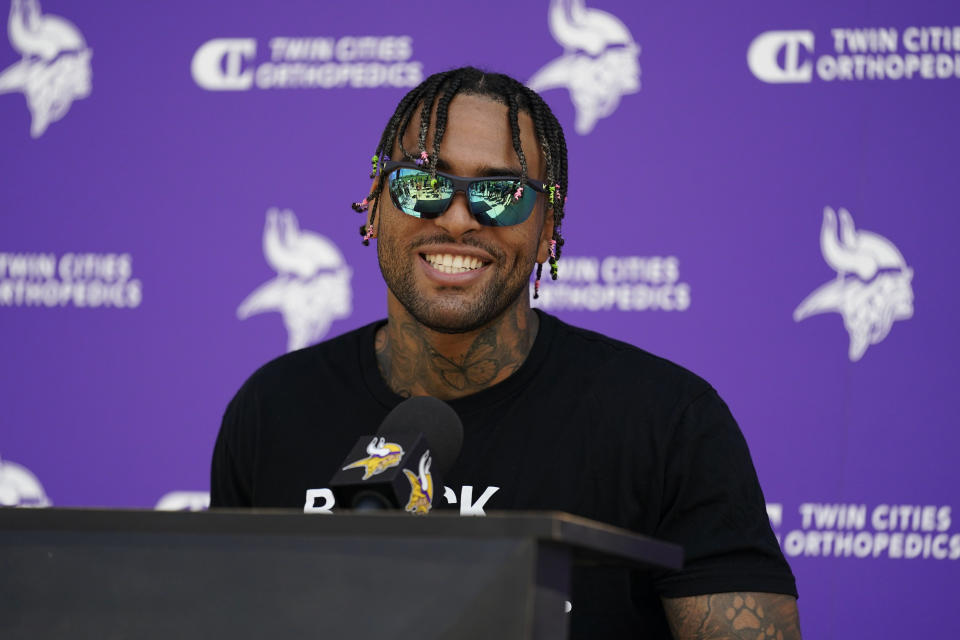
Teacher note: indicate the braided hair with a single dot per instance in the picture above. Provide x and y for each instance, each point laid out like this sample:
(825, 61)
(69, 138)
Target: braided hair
(439, 89)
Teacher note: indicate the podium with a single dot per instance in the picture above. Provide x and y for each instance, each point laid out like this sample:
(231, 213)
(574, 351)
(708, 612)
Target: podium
(76, 573)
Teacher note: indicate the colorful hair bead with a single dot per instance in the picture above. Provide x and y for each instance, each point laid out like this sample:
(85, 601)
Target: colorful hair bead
(433, 183)
(361, 206)
(368, 235)
(551, 194)
(553, 248)
(422, 160)
(519, 192)
(536, 283)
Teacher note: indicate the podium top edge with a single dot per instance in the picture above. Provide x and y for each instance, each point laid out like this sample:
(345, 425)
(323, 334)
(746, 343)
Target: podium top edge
(583, 535)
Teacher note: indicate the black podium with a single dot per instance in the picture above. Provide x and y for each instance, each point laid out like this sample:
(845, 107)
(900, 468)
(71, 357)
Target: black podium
(278, 575)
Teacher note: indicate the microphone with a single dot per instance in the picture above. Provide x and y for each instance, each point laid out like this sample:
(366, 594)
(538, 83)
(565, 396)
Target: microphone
(402, 466)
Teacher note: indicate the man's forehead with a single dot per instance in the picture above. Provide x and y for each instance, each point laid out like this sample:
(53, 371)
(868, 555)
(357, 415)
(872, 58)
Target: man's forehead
(477, 136)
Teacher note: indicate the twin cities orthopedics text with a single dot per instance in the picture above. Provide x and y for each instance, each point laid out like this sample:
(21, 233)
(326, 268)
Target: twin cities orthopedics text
(93, 280)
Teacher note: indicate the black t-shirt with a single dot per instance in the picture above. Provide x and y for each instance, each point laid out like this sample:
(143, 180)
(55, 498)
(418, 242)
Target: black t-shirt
(587, 425)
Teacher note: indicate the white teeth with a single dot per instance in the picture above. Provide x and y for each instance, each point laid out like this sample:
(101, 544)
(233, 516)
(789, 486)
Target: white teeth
(447, 263)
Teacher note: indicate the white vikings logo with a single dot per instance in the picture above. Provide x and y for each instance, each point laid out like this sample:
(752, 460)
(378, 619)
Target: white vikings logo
(55, 69)
(599, 64)
(19, 487)
(872, 288)
(312, 287)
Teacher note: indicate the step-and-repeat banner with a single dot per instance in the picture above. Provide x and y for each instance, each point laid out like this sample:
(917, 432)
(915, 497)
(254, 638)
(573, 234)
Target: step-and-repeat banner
(764, 193)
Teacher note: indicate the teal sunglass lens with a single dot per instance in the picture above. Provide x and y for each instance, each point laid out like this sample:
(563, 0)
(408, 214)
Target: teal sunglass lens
(494, 204)
(414, 193)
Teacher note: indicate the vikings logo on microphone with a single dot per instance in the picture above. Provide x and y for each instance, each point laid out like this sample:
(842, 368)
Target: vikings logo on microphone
(381, 455)
(872, 289)
(599, 65)
(55, 69)
(421, 487)
(312, 287)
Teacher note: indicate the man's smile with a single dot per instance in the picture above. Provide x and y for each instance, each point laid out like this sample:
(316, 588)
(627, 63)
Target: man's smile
(449, 266)
(453, 263)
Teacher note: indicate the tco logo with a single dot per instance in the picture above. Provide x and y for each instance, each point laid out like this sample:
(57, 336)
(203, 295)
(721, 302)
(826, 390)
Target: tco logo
(218, 64)
(774, 56)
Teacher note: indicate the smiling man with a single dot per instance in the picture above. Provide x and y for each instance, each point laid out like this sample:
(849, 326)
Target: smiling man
(467, 201)
(458, 272)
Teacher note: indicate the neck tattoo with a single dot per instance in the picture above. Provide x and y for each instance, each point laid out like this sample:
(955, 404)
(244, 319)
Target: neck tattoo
(415, 360)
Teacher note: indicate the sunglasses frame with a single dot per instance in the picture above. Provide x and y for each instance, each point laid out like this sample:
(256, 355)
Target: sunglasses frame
(460, 183)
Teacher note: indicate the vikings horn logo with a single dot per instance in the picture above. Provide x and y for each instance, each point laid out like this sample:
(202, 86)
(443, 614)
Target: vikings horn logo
(19, 487)
(421, 488)
(872, 289)
(55, 68)
(312, 287)
(599, 65)
(381, 455)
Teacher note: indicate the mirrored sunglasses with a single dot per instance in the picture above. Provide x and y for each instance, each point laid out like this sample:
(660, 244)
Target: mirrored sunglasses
(491, 200)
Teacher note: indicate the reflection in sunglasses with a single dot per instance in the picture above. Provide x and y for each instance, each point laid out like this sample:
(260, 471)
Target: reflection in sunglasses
(491, 200)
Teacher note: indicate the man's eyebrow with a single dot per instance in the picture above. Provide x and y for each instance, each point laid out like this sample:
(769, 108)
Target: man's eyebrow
(483, 171)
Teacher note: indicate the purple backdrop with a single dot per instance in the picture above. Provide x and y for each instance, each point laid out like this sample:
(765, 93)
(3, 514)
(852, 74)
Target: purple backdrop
(765, 194)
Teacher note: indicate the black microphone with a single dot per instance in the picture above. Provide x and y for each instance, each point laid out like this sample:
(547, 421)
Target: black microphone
(402, 466)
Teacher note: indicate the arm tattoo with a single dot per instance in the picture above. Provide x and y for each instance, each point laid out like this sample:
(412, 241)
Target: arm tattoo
(733, 616)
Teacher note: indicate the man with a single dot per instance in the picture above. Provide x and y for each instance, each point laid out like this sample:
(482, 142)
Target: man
(555, 417)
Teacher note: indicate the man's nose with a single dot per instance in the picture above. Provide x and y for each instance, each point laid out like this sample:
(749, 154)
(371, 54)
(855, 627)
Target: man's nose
(457, 219)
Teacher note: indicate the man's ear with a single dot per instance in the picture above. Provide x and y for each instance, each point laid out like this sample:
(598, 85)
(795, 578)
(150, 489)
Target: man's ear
(546, 234)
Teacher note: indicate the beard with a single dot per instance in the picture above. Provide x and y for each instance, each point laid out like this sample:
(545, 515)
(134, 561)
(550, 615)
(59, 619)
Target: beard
(454, 309)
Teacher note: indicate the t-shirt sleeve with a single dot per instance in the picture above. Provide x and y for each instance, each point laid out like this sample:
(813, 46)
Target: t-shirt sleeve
(713, 506)
(231, 471)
